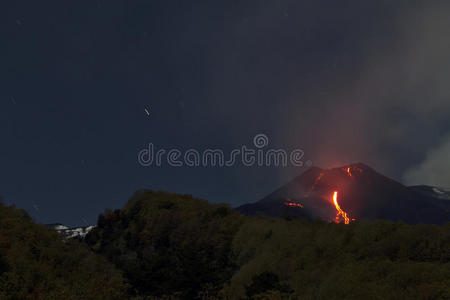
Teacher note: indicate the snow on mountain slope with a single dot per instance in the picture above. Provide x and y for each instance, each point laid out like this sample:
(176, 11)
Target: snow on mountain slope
(76, 232)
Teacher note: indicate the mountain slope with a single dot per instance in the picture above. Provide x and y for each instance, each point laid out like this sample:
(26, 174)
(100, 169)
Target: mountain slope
(361, 193)
(177, 247)
(36, 263)
(168, 244)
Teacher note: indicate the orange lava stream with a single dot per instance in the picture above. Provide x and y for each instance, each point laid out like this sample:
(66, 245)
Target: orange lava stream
(340, 211)
(351, 169)
(316, 182)
(348, 172)
(340, 215)
(291, 203)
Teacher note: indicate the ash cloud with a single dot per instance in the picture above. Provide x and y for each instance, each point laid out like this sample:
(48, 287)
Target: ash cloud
(398, 107)
(434, 170)
(371, 90)
(346, 82)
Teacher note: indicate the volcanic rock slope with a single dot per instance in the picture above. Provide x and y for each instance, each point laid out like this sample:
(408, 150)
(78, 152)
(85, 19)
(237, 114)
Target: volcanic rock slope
(353, 192)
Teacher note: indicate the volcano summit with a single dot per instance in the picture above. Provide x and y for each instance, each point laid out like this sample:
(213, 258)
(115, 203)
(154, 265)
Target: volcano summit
(353, 192)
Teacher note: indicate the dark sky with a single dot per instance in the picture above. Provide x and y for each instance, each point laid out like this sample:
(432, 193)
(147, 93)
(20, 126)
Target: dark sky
(345, 81)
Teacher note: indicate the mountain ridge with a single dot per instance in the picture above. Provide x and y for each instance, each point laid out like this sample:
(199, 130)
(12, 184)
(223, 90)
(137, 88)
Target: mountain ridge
(362, 192)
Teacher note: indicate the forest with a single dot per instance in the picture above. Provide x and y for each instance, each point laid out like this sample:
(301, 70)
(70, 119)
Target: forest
(169, 246)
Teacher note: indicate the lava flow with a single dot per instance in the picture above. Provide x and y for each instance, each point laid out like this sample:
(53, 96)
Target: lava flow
(348, 172)
(340, 212)
(291, 203)
(316, 182)
(340, 215)
(351, 169)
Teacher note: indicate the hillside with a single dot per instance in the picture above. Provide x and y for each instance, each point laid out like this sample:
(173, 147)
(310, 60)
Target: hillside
(35, 263)
(169, 246)
(174, 245)
(361, 193)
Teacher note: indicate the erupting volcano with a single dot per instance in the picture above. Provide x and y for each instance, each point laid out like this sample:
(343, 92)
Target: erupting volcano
(340, 213)
(355, 190)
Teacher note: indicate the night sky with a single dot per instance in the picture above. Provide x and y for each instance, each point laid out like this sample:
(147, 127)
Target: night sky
(345, 81)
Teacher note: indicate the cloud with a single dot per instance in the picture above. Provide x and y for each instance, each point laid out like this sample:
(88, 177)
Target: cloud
(434, 170)
(365, 82)
(392, 110)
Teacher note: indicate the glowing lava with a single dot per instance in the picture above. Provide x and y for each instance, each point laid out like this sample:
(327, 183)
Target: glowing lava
(341, 215)
(350, 170)
(316, 182)
(291, 203)
(340, 212)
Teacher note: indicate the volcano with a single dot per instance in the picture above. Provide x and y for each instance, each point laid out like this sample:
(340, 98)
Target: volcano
(350, 193)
